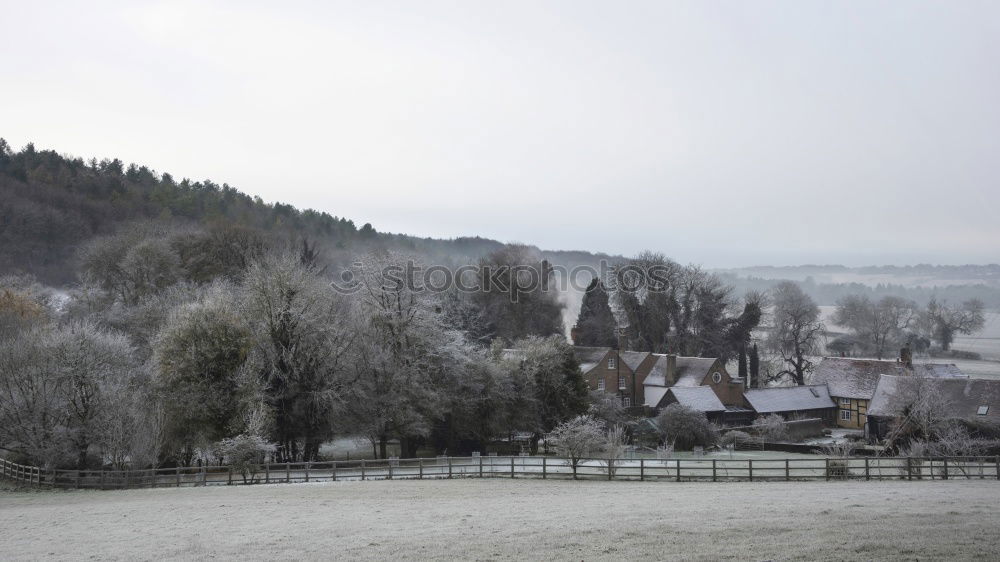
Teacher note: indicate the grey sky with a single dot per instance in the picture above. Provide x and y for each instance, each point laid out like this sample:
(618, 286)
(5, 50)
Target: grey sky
(719, 133)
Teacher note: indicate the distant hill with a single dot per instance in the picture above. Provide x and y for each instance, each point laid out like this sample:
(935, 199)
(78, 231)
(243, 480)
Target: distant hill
(51, 204)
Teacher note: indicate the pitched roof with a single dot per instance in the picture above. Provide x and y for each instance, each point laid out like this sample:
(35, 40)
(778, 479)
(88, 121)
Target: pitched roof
(788, 398)
(691, 371)
(701, 398)
(963, 396)
(653, 394)
(589, 357)
(633, 358)
(857, 378)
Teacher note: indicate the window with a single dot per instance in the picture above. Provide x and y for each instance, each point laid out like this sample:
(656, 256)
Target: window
(983, 410)
(612, 363)
(845, 401)
(717, 377)
(627, 401)
(621, 382)
(600, 384)
(845, 415)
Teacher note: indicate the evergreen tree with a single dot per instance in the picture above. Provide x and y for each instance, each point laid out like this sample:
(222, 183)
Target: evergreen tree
(754, 367)
(595, 326)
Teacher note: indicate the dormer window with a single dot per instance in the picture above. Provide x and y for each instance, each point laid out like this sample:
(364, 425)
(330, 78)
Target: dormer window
(612, 363)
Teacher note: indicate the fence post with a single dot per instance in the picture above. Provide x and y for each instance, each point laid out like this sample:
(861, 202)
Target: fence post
(998, 467)
(420, 474)
(945, 475)
(77, 479)
(481, 467)
(308, 464)
(267, 473)
(390, 469)
(788, 473)
(714, 477)
(512, 467)
(642, 469)
(102, 480)
(750, 468)
(678, 461)
(288, 472)
(827, 468)
(177, 478)
(544, 468)
(449, 467)
(229, 477)
(333, 476)
(909, 469)
(868, 475)
(362, 469)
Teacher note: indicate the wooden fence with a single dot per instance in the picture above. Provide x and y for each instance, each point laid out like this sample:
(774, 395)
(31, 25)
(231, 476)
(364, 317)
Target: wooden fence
(674, 470)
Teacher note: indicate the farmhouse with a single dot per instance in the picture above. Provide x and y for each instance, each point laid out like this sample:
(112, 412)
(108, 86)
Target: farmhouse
(958, 398)
(852, 382)
(642, 378)
(790, 402)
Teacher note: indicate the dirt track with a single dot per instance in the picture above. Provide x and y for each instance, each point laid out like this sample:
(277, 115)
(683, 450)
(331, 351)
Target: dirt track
(523, 519)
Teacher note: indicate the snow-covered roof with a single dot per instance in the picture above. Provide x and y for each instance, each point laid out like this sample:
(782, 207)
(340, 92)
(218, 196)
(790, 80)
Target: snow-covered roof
(633, 358)
(788, 398)
(701, 398)
(691, 371)
(964, 397)
(857, 378)
(653, 394)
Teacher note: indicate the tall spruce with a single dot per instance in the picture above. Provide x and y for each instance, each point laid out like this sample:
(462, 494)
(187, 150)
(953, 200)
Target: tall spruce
(595, 326)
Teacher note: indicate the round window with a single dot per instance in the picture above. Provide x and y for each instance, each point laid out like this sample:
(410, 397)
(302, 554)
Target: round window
(716, 377)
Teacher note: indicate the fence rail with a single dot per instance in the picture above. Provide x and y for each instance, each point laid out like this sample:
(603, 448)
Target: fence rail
(675, 470)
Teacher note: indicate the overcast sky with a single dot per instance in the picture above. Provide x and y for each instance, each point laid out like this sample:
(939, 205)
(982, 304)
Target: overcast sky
(723, 134)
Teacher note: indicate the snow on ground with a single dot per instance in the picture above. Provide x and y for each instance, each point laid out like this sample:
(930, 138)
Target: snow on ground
(510, 519)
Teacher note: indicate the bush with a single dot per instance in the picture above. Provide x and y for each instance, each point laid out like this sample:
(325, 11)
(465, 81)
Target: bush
(771, 428)
(686, 428)
(244, 453)
(736, 438)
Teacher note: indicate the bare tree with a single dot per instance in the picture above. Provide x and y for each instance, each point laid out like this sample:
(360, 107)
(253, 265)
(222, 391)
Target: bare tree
(881, 324)
(946, 321)
(795, 332)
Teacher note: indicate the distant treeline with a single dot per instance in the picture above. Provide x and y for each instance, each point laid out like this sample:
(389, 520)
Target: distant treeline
(830, 293)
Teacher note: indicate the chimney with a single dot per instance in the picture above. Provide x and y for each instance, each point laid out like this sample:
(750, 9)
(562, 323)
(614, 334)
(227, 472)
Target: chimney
(671, 369)
(906, 357)
(573, 333)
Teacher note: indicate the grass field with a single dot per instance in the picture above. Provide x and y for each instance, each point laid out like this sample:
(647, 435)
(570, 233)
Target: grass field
(505, 519)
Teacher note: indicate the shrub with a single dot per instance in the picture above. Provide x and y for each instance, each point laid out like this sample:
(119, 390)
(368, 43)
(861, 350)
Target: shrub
(771, 428)
(685, 427)
(736, 438)
(244, 453)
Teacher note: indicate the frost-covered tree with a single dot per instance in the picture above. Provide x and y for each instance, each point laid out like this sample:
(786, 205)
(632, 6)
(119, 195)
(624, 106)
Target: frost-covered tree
(880, 324)
(947, 321)
(550, 369)
(795, 332)
(577, 439)
(684, 427)
(300, 333)
(406, 359)
(199, 357)
(57, 383)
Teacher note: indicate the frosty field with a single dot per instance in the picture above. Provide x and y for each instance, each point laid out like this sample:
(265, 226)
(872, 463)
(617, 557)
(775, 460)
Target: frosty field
(504, 519)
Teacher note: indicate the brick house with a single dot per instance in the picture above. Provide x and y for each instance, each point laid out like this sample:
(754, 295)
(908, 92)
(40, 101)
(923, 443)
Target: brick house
(852, 382)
